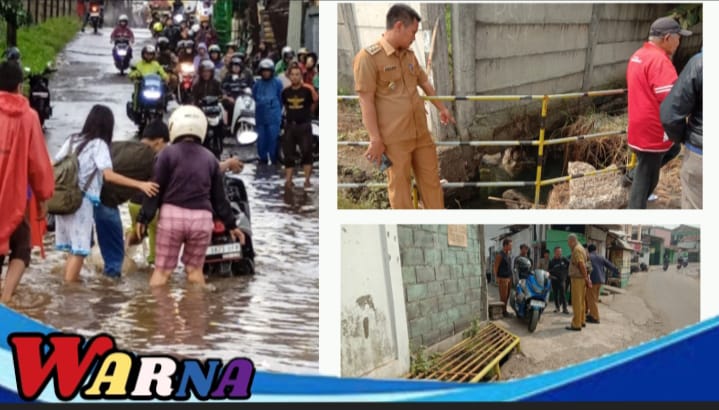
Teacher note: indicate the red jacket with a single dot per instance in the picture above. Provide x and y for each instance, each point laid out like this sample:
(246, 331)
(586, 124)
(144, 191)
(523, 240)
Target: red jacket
(23, 159)
(120, 31)
(650, 76)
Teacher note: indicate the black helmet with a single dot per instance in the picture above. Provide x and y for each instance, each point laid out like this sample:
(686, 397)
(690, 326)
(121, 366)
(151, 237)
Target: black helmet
(12, 53)
(523, 266)
(236, 60)
(163, 43)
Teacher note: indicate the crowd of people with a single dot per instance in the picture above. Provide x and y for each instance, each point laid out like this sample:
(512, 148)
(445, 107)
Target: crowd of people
(581, 276)
(285, 90)
(146, 174)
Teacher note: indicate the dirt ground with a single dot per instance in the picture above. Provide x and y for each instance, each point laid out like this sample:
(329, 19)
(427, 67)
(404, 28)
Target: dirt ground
(655, 304)
(353, 167)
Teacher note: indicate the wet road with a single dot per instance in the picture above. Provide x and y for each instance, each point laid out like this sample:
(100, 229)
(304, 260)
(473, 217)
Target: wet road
(271, 317)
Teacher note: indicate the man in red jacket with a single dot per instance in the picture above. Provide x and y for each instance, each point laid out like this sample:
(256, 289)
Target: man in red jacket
(650, 76)
(24, 160)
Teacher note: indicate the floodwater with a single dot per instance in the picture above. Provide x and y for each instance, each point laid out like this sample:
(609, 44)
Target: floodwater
(271, 317)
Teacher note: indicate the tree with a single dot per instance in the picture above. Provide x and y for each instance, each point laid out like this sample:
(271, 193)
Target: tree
(14, 14)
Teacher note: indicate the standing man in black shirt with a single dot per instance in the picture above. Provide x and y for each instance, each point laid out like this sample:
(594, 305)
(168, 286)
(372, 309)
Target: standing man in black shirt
(558, 271)
(503, 272)
(299, 100)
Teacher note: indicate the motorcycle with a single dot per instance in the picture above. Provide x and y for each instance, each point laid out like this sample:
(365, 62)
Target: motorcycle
(150, 101)
(224, 256)
(96, 16)
(122, 54)
(666, 265)
(530, 297)
(40, 92)
(682, 263)
(212, 108)
(243, 127)
(184, 84)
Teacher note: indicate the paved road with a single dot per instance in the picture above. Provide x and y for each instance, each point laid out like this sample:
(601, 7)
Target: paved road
(673, 295)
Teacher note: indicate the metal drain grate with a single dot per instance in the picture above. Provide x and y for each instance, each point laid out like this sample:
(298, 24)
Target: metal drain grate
(472, 359)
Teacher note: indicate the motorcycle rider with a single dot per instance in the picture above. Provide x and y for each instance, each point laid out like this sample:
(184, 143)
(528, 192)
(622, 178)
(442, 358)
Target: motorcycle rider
(168, 60)
(13, 54)
(178, 7)
(206, 34)
(287, 56)
(171, 32)
(302, 54)
(186, 52)
(122, 31)
(267, 93)
(230, 50)
(88, 7)
(201, 56)
(234, 83)
(216, 57)
(148, 65)
(206, 84)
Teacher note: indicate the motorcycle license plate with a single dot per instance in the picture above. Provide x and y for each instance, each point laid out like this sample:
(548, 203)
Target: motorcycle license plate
(235, 248)
(95, 14)
(40, 94)
(537, 303)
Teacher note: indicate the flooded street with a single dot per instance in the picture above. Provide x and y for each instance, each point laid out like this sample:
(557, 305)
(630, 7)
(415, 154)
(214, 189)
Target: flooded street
(271, 317)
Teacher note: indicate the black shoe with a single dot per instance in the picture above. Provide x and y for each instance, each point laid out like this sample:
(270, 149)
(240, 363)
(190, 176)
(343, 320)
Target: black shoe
(584, 325)
(566, 312)
(573, 329)
(556, 310)
(590, 319)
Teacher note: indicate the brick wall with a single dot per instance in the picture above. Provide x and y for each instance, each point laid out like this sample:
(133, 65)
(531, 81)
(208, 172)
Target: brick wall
(444, 286)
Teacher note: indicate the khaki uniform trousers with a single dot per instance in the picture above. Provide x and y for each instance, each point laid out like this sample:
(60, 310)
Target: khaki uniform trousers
(579, 291)
(593, 300)
(420, 156)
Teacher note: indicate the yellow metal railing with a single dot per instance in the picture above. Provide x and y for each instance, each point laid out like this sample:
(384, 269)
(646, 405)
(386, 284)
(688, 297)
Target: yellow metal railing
(538, 183)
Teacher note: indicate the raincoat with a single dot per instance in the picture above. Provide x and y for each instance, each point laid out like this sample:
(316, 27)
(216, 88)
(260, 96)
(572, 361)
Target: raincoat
(268, 116)
(24, 160)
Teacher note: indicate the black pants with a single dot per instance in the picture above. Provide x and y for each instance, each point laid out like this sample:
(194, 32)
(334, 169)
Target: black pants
(297, 134)
(20, 244)
(559, 287)
(646, 178)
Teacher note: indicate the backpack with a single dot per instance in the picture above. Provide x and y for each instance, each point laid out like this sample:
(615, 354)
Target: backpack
(131, 159)
(67, 197)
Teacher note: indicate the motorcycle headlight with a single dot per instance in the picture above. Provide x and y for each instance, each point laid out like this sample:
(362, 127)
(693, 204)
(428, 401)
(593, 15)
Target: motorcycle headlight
(122, 52)
(187, 69)
(151, 94)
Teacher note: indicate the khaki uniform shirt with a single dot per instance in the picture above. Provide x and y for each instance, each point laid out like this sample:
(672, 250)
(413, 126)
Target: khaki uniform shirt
(578, 255)
(393, 76)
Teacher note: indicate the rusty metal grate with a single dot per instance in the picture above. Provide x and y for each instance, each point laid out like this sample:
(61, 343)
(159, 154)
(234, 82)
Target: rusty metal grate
(472, 359)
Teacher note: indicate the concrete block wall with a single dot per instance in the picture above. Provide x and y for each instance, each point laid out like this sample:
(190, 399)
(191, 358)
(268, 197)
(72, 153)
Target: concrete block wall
(444, 286)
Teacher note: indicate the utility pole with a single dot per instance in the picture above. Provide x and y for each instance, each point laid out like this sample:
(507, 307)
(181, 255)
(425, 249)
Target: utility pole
(294, 26)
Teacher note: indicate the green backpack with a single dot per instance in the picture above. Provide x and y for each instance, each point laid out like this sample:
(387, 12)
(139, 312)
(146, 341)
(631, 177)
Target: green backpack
(67, 197)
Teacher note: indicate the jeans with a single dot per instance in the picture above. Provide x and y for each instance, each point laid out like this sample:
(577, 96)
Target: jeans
(110, 238)
(649, 165)
(691, 177)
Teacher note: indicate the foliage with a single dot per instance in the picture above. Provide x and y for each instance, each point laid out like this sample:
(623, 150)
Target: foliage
(14, 11)
(472, 330)
(687, 14)
(39, 44)
(423, 362)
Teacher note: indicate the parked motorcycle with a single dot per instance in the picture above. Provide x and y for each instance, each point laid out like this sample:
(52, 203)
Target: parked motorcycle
(151, 102)
(184, 84)
(666, 265)
(39, 95)
(122, 54)
(226, 257)
(212, 108)
(530, 296)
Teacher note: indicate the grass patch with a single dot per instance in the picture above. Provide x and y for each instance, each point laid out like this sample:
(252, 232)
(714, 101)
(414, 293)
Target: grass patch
(40, 43)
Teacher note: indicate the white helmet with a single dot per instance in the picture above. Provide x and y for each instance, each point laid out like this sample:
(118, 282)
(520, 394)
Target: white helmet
(187, 120)
(124, 18)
